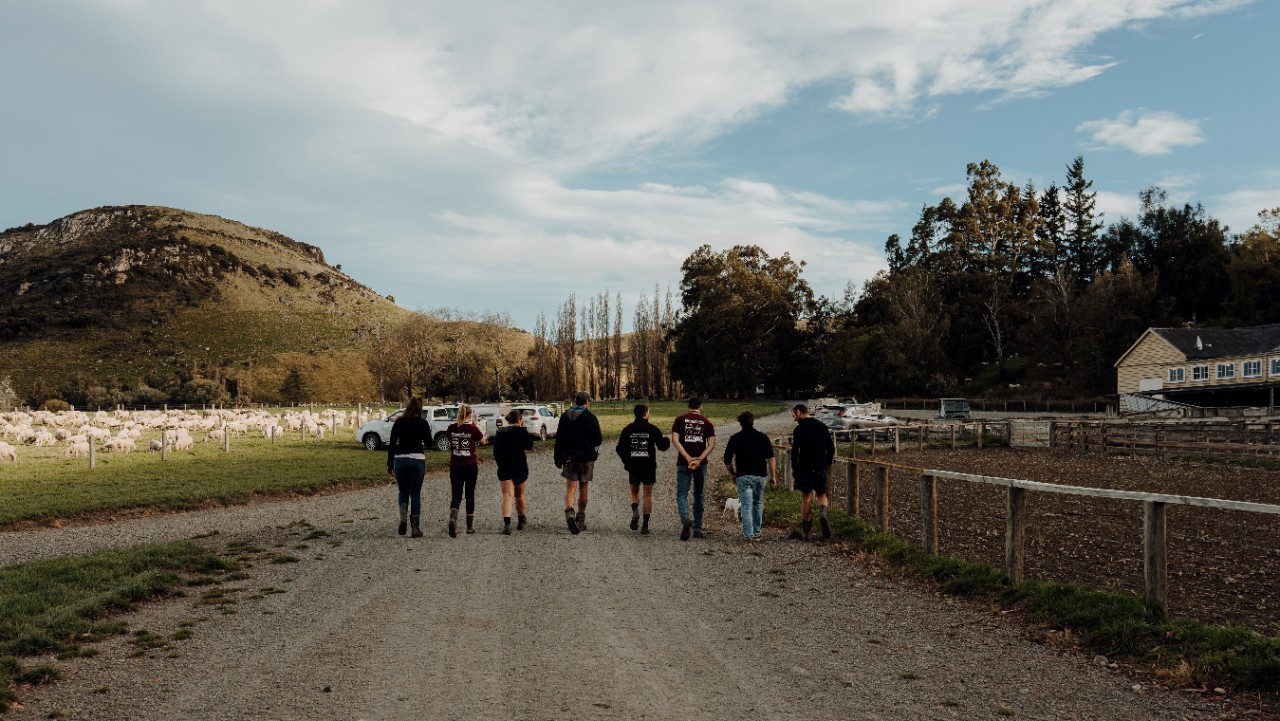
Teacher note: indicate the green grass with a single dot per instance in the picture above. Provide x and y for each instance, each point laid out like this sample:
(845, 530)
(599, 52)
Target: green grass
(53, 606)
(616, 415)
(43, 485)
(1109, 623)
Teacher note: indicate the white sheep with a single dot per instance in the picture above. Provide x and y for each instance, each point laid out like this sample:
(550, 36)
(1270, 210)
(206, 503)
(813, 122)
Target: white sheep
(155, 445)
(44, 438)
(77, 449)
(8, 451)
(183, 443)
(213, 435)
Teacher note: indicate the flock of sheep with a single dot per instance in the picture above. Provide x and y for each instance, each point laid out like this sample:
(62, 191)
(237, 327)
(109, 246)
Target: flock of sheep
(120, 431)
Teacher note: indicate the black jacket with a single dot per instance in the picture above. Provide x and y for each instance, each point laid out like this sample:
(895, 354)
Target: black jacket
(811, 446)
(509, 446)
(749, 452)
(578, 438)
(408, 435)
(639, 444)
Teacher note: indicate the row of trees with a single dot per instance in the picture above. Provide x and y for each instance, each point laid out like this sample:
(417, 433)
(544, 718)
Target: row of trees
(1006, 289)
(448, 352)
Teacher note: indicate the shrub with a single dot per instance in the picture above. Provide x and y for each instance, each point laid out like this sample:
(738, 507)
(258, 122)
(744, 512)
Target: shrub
(55, 405)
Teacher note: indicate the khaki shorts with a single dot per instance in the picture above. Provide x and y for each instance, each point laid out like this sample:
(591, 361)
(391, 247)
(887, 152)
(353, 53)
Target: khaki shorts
(580, 472)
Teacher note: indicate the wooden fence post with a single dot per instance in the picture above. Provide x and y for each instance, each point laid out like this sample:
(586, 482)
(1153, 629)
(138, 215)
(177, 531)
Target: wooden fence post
(855, 489)
(1155, 570)
(897, 437)
(873, 443)
(164, 445)
(1008, 433)
(849, 486)
(929, 512)
(953, 436)
(93, 454)
(1015, 535)
(882, 499)
(920, 438)
(982, 429)
(1053, 440)
(226, 438)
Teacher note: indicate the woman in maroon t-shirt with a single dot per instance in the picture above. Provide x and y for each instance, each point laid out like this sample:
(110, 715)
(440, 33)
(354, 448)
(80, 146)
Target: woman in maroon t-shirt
(465, 440)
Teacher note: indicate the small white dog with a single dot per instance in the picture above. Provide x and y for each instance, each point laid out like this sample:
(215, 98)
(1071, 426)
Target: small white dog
(734, 506)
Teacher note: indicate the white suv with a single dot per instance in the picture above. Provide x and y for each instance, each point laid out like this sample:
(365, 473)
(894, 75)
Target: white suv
(376, 434)
(539, 421)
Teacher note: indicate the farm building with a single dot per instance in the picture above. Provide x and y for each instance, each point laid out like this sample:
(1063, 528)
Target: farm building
(1204, 366)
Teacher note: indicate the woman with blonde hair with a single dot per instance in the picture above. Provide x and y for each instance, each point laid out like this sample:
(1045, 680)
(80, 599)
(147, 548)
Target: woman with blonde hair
(465, 439)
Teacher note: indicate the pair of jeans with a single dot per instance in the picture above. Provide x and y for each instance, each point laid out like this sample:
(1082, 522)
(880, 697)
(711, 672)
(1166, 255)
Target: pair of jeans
(409, 473)
(685, 478)
(751, 498)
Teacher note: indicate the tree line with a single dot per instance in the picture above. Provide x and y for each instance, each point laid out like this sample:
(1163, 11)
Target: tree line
(1007, 290)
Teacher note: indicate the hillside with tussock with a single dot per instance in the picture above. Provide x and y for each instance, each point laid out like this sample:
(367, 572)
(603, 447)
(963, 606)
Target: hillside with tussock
(119, 296)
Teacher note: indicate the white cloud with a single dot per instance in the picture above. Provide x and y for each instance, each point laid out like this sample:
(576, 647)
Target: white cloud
(1143, 132)
(1239, 209)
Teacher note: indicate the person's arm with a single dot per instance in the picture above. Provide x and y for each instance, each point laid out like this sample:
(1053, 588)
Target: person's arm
(528, 440)
(773, 472)
(391, 447)
(619, 447)
(711, 446)
(728, 457)
(660, 441)
(596, 437)
(675, 442)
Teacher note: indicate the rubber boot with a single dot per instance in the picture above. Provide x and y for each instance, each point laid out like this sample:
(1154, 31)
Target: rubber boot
(453, 523)
(404, 518)
(413, 521)
(471, 517)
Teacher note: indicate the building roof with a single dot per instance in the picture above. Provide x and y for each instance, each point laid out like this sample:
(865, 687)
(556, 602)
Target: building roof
(1209, 343)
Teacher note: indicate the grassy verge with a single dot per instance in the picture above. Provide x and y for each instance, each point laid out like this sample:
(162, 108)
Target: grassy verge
(44, 485)
(54, 606)
(616, 415)
(1108, 623)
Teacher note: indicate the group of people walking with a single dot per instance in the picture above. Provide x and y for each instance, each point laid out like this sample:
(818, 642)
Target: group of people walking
(748, 456)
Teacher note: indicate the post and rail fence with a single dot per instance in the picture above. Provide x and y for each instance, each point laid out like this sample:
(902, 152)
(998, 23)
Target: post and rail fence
(1155, 507)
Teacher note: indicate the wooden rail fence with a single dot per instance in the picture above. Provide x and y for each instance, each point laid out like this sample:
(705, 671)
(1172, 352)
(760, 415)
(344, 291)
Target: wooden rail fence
(1155, 505)
(1253, 438)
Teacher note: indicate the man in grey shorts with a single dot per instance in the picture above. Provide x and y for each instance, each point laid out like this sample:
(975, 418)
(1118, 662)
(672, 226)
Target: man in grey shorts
(577, 448)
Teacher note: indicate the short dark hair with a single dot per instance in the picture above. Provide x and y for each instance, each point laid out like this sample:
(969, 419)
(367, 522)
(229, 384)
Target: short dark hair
(640, 410)
(582, 398)
(513, 416)
(747, 419)
(800, 408)
(695, 402)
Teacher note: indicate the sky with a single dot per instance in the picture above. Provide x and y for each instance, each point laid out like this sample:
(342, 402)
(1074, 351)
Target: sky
(501, 155)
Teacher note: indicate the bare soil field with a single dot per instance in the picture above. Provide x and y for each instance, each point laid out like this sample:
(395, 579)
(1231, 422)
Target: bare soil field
(1223, 565)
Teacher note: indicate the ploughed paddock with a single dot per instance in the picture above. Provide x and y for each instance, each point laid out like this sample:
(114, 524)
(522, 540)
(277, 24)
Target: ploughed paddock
(544, 624)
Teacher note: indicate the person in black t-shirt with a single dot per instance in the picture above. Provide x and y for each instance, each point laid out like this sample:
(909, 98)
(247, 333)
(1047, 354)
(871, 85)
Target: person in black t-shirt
(812, 451)
(638, 448)
(407, 461)
(749, 457)
(577, 447)
(509, 447)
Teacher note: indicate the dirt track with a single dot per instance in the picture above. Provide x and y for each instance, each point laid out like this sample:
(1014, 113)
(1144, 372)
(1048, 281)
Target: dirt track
(545, 625)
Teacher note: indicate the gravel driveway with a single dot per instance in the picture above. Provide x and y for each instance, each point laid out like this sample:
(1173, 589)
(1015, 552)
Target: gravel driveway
(545, 625)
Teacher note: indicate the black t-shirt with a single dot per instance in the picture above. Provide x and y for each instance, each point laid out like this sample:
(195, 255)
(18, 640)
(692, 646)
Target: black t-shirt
(509, 446)
(749, 451)
(639, 444)
(811, 446)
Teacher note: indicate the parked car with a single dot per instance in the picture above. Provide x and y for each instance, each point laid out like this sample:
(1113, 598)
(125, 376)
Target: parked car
(376, 434)
(539, 420)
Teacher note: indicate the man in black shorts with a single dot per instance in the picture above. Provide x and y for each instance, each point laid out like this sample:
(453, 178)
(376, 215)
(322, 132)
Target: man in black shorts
(638, 448)
(577, 446)
(812, 451)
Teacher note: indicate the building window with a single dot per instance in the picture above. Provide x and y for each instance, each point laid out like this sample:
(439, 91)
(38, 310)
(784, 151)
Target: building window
(1177, 375)
(1226, 371)
(1252, 369)
(1275, 366)
(1200, 373)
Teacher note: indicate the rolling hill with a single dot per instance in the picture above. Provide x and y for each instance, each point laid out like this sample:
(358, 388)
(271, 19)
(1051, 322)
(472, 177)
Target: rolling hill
(136, 294)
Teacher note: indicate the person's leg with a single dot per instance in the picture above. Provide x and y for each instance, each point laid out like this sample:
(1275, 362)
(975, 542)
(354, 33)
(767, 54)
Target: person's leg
(699, 485)
(508, 500)
(806, 513)
(684, 479)
(757, 507)
(520, 505)
(570, 493)
(455, 499)
(635, 504)
(415, 497)
(473, 472)
(745, 501)
(584, 488)
(402, 484)
(648, 507)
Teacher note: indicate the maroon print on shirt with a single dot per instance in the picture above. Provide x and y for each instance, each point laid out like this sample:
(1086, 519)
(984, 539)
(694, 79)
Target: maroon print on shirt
(693, 430)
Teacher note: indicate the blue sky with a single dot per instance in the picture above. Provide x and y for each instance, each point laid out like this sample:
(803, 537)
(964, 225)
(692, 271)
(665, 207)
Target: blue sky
(500, 156)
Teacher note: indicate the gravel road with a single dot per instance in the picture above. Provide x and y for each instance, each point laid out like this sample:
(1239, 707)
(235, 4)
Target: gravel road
(545, 625)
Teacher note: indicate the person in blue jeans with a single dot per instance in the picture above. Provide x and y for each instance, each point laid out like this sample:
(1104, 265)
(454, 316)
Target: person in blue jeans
(407, 461)
(694, 437)
(749, 458)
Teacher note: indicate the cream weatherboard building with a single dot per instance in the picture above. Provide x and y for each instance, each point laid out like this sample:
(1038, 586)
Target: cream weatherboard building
(1204, 366)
